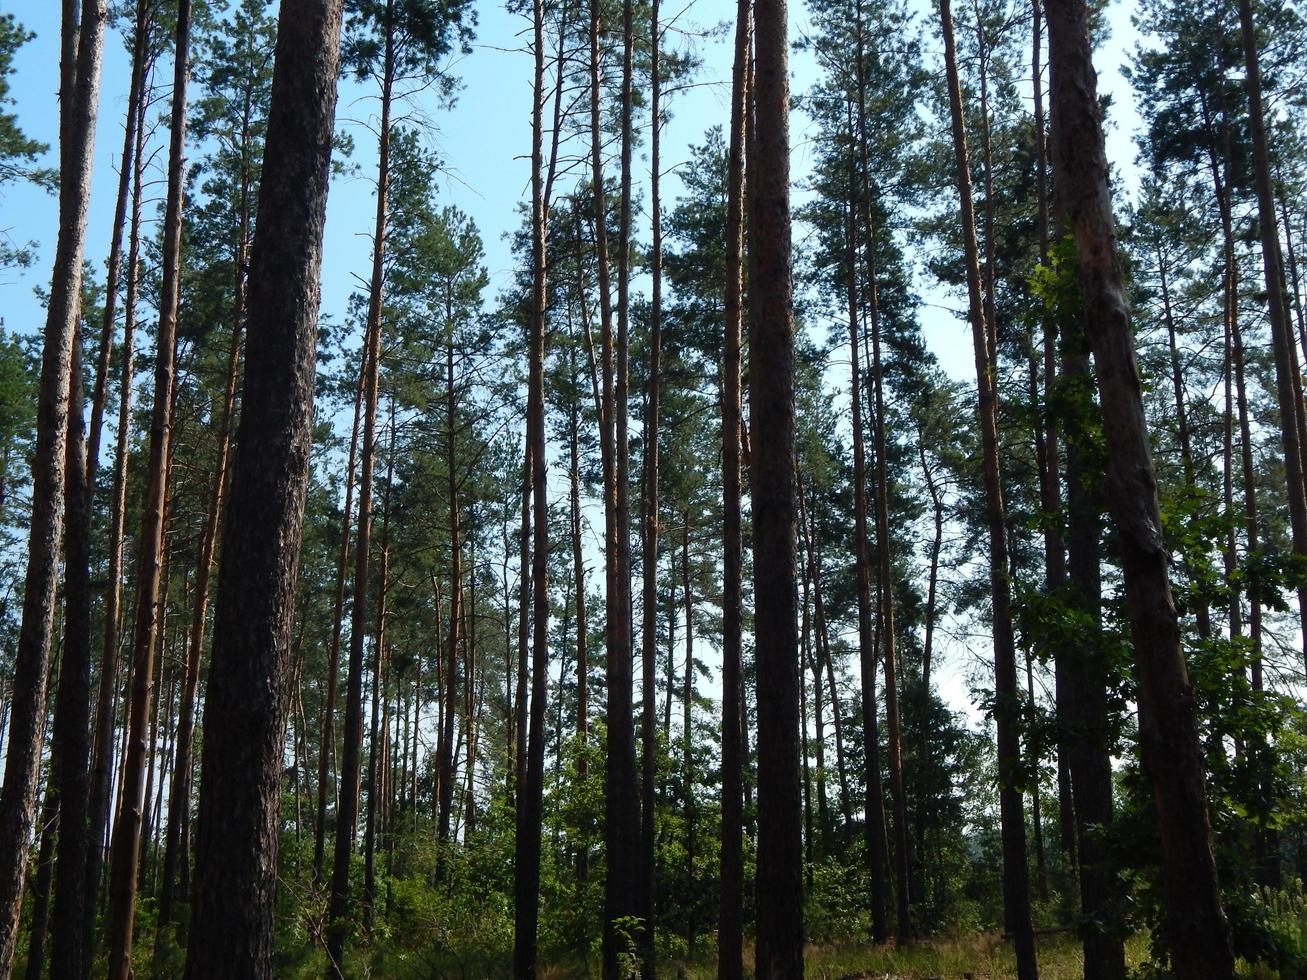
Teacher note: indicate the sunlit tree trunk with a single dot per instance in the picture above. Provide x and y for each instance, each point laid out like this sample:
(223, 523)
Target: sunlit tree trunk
(27, 701)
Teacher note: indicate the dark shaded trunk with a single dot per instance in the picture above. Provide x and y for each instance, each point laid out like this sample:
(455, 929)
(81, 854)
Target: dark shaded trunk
(526, 878)
(247, 694)
(649, 519)
(730, 917)
(70, 752)
(1196, 926)
(771, 403)
(1084, 717)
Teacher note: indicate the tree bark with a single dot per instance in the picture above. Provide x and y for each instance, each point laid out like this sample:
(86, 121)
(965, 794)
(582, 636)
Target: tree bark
(27, 702)
(771, 401)
(1197, 929)
(249, 676)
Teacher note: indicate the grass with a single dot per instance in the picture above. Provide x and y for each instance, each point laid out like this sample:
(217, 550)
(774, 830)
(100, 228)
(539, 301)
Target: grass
(972, 955)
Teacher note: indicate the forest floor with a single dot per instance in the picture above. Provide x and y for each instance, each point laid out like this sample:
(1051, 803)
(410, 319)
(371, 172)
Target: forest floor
(976, 955)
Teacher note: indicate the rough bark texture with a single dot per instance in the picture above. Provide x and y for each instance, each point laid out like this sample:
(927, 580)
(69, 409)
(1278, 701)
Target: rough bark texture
(27, 703)
(70, 753)
(1197, 930)
(249, 677)
(771, 403)
(1016, 890)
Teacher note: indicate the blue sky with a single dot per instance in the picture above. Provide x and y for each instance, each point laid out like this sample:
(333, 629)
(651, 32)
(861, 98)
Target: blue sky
(483, 141)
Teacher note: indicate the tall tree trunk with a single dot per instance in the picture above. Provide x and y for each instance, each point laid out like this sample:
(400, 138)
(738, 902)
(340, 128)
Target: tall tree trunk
(928, 641)
(39, 925)
(179, 799)
(455, 606)
(27, 702)
(874, 821)
(1196, 924)
(622, 788)
(326, 747)
(730, 918)
(70, 753)
(771, 401)
(526, 882)
(1016, 891)
(1046, 439)
(582, 622)
(125, 867)
(885, 612)
(1290, 401)
(247, 695)
(1202, 611)
(649, 514)
(352, 747)
(1084, 716)
(687, 732)
(813, 662)
(102, 754)
(377, 731)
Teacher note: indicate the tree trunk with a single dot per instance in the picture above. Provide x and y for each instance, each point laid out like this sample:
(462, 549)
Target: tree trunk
(27, 711)
(874, 821)
(327, 749)
(377, 732)
(526, 881)
(1197, 929)
(730, 917)
(1016, 893)
(352, 747)
(249, 674)
(70, 753)
(1290, 401)
(102, 756)
(124, 870)
(649, 516)
(1085, 673)
(771, 401)
(179, 798)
